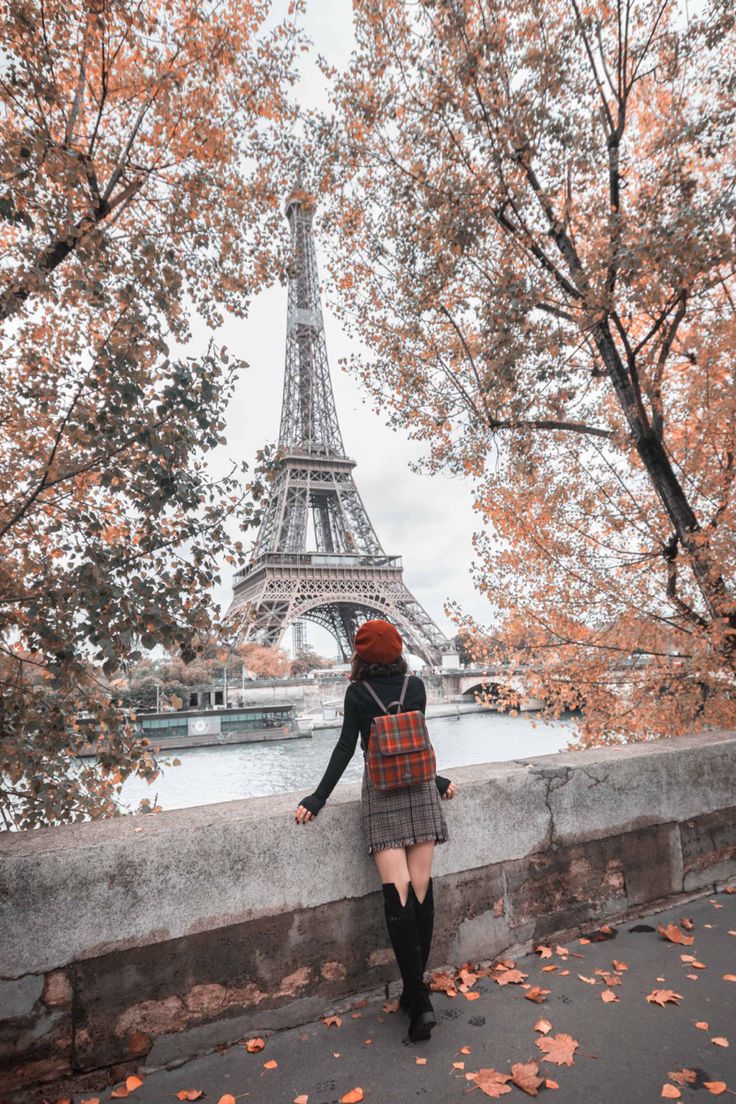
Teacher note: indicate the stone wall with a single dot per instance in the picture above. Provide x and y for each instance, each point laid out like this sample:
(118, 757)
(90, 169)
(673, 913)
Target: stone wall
(131, 943)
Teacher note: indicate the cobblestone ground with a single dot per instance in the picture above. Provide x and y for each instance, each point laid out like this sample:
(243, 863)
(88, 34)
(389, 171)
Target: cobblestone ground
(616, 1045)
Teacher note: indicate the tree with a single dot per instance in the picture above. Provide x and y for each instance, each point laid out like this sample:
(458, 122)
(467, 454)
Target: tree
(532, 229)
(307, 661)
(142, 180)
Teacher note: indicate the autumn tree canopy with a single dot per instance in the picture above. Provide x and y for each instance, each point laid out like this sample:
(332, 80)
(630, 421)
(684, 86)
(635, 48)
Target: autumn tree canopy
(533, 232)
(141, 183)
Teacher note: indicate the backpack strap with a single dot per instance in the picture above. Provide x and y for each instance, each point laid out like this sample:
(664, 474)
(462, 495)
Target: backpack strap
(387, 708)
(373, 694)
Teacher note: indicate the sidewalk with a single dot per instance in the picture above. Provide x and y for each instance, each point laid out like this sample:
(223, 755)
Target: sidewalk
(628, 1048)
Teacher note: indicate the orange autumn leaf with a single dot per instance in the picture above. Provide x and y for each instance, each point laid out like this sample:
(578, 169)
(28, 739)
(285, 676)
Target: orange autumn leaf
(544, 1026)
(421, 1061)
(670, 1092)
(471, 996)
(270, 1064)
(352, 1097)
(674, 934)
(254, 1045)
(525, 1075)
(683, 1077)
(227, 1098)
(333, 1021)
(663, 996)
(509, 977)
(189, 1094)
(720, 1040)
(302, 1099)
(558, 1048)
(715, 1087)
(132, 1083)
(536, 993)
(490, 1081)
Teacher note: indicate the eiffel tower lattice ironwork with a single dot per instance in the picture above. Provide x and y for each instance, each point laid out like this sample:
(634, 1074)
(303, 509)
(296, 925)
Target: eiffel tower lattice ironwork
(335, 571)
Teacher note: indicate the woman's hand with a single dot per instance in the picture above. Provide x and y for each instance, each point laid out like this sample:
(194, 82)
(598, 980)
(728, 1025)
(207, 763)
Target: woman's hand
(302, 814)
(449, 792)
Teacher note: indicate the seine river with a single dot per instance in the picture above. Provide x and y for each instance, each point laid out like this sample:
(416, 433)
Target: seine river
(295, 766)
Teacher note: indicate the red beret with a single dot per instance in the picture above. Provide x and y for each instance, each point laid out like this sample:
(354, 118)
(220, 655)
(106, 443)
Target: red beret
(378, 642)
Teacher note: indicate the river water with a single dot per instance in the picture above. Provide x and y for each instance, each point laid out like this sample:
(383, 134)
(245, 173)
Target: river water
(214, 774)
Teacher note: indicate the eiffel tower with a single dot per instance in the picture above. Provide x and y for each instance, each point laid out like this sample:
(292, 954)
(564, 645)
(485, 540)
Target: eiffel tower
(335, 572)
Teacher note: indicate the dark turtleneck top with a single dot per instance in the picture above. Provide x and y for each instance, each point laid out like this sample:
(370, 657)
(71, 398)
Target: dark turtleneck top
(359, 710)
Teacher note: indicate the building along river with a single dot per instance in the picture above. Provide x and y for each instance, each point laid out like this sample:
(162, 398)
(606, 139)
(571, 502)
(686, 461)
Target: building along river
(209, 774)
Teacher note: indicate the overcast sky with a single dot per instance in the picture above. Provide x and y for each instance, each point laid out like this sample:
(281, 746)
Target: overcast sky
(428, 521)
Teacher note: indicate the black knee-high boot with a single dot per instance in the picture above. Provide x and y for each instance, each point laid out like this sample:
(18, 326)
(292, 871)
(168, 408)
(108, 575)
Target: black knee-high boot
(403, 930)
(424, 911)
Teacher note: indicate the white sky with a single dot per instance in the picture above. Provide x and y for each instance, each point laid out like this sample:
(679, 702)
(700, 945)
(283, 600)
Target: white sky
(428, 521)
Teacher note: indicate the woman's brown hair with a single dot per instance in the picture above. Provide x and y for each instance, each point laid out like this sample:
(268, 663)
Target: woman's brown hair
(360, 669)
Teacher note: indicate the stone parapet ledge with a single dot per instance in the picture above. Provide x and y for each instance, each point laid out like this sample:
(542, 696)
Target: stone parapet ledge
(133, 942)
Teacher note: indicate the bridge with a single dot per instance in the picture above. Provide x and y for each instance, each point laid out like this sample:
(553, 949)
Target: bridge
(450, 685)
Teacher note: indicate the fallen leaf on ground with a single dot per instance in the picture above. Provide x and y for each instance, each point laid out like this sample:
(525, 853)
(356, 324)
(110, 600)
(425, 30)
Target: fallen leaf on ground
(687, 923)
(189, 1094)
(608, 995)
(301, 1099)
(391, 1006)
(536, 993)
(618, 965)
(509, 977)
(329, 1021)
(661, 996)
(715, 1087)
(467, 977)
(458, 1065)
(421, 1061)
(471, 996)
(675, 935)
(544, 1026)
(720, 1041)
(441, 982)
(352, 1097)
(228, 1098)
(670, 1092)
(525, 1076)
(683, 1076)
(490, 1081)
(549, 1084)
(702, 1024)
(729, 977)
(254, 1045)
(465, 1050)
(543, 952)
(554, 966)
(590, 981)
(558, 1048)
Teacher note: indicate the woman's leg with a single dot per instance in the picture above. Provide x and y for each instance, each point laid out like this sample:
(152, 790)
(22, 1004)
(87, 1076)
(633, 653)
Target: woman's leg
(393, 867)
(419, 862)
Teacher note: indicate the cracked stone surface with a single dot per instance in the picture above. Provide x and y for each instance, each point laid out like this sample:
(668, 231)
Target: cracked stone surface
(627, 1047)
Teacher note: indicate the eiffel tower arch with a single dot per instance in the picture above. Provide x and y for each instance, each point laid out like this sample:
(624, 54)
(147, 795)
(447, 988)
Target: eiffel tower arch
(317, 556)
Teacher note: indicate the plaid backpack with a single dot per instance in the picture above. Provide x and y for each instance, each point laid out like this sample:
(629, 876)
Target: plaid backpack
(400, 752)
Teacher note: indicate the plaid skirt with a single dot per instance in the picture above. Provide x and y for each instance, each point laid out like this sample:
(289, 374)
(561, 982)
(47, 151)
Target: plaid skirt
(403, 816)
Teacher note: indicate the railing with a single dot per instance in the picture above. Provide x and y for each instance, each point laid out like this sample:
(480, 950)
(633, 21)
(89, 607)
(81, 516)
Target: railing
(321, 559)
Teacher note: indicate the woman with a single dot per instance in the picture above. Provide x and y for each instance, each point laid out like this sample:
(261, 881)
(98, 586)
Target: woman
(402, 826)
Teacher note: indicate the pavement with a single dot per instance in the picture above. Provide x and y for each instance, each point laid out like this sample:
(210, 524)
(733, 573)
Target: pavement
(629, 1050)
